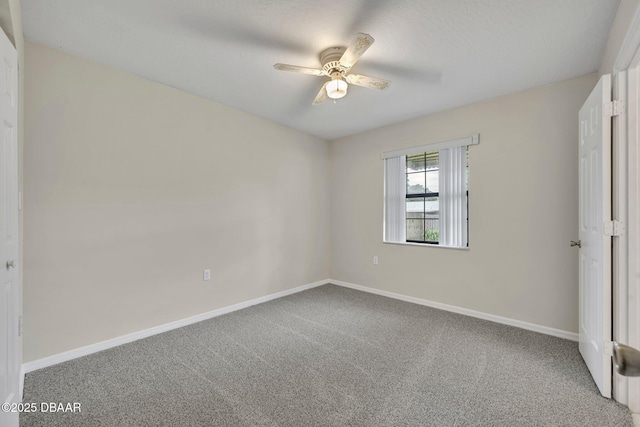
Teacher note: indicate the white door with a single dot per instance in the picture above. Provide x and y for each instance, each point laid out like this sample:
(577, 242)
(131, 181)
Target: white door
(9, 294)
(595, 253)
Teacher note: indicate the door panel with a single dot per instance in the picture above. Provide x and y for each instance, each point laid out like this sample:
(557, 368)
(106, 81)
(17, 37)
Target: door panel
(9, 240)
(595, 253)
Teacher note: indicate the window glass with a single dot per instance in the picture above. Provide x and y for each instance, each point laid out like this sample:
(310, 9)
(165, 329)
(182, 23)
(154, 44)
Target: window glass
(432, 181)
(416, 183)
(416, 163)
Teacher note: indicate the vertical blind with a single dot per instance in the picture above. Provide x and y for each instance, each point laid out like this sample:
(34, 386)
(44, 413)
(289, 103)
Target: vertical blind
(395, 188)
(453, 196)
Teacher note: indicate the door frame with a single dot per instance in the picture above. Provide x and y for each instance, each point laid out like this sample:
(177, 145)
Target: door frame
(626, 207)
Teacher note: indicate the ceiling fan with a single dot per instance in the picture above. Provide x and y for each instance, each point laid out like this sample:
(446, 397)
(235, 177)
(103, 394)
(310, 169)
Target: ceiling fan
(336, 64)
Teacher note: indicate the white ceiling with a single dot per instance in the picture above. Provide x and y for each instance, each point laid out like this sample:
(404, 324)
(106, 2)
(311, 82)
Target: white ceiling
(439, 54)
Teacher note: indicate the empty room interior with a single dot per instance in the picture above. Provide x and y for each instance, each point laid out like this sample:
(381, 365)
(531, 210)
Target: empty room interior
(302, 213)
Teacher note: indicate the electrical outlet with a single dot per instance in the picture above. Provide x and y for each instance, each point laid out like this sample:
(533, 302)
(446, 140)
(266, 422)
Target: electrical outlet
(206, 274)
(375, 260)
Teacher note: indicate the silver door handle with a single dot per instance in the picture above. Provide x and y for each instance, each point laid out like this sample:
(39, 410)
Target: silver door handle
(10, 264)
(578, 243)
(626, 360)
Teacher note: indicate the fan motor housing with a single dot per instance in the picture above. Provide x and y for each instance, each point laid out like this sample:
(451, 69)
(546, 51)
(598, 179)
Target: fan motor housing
(330, 59)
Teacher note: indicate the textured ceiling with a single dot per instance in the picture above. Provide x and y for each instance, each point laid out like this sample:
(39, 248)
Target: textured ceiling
(439, 54)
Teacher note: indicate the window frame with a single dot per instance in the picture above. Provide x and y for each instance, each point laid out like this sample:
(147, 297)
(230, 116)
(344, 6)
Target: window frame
(424, 196)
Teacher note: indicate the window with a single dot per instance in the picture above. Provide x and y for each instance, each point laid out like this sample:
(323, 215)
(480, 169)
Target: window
(422, 195)
(426, 194)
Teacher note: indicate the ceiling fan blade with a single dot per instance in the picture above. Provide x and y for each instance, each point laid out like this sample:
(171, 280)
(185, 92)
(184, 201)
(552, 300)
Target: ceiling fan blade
(428, 76)
(297, 69)
(366, 81)
(356, 48)
(239, 34)
(367, 12)
(322, 95)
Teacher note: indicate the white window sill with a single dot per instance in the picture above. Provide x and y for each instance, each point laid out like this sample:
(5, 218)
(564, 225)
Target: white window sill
(426, 245)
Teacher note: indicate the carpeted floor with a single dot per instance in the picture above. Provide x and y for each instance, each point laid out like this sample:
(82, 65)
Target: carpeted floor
(330, 356)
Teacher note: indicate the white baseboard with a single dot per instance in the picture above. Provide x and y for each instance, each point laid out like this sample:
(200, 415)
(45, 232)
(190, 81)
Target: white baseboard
(103, 345)
(467, 312)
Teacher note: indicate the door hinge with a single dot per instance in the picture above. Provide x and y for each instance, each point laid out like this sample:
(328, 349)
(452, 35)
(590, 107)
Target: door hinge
(614, 108)
(608, 348)
(613, 228)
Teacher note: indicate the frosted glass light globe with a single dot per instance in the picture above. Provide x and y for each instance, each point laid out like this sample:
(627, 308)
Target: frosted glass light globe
(336, 89)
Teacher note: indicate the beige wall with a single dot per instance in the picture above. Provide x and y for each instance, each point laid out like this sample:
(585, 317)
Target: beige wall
(132, 188)
(523, 209)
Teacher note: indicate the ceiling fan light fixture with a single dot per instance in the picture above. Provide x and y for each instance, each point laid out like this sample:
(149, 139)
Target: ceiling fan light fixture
(336, 88)
(336, 64)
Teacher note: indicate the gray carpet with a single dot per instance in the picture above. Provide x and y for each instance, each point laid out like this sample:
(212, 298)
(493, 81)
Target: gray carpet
(330, 356)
